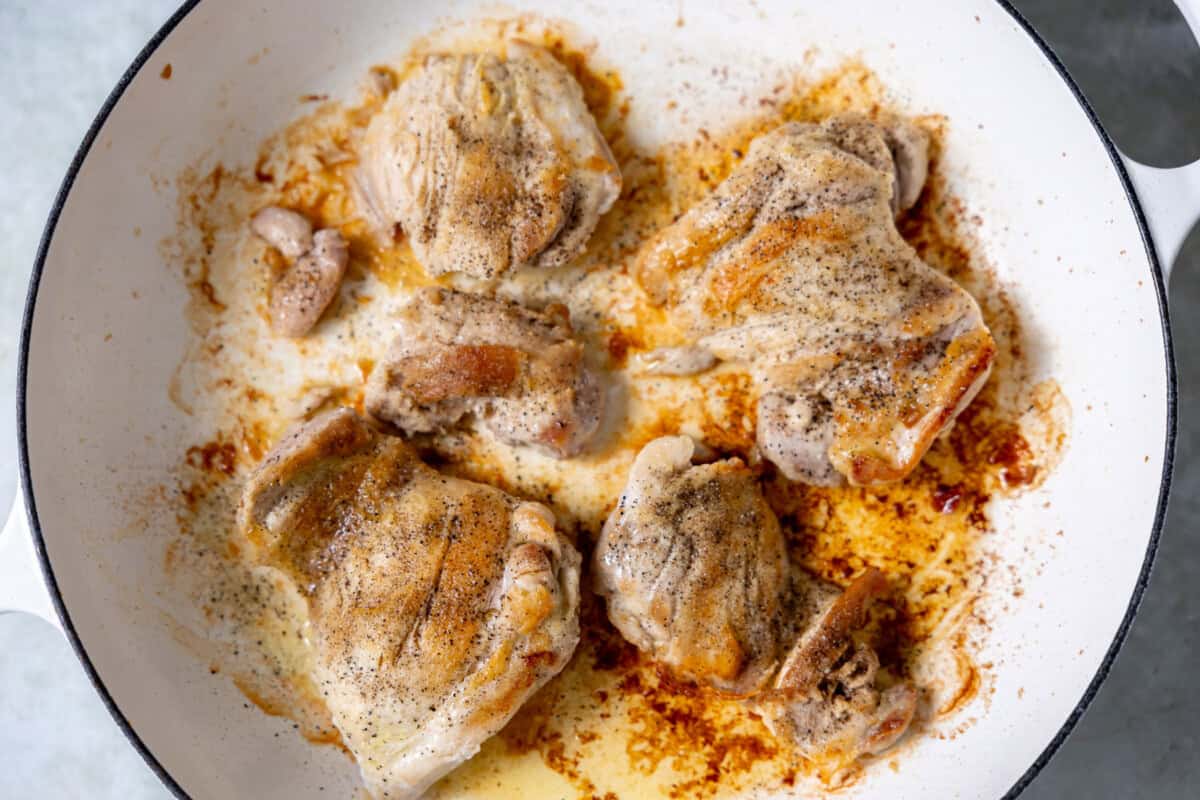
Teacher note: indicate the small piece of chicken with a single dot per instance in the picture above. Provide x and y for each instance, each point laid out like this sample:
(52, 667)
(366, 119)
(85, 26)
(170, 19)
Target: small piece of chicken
(519, 371)
(301, 295)
(439, 605)
(693, 567)
(826, 699)
(793, 266)
(694, 572)
(488, 163)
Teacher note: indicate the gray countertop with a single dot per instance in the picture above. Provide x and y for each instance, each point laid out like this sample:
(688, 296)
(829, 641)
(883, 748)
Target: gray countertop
(1139, 67)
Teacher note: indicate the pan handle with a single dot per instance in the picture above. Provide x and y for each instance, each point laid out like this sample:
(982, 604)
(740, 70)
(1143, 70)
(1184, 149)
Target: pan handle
(1170, 197)
(22, 587)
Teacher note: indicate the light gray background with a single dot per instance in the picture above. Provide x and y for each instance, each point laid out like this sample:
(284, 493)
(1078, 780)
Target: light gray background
(1135, 60)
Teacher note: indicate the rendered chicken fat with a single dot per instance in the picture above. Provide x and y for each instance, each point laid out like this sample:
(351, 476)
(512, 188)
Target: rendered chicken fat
(439, 605)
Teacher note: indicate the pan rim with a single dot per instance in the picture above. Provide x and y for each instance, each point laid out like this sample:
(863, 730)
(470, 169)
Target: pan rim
(110, 103)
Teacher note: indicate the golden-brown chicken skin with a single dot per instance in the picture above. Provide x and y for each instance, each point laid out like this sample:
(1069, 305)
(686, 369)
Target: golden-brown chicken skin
(793, 266)
(439, 605)
(693, 567)
(694, 572)
(518, 372)
(489, 162)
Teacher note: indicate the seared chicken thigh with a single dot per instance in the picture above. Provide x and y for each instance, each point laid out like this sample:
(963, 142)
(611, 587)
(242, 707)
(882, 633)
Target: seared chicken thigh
(694, 571)
(439, 605)
(519, 371)
(488, 163)
(793, 266)
(693, 567)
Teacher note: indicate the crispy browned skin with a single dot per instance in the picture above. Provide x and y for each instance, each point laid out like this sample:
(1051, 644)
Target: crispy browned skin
(520, 372)
(862, 353)
(439, 605)
(693, 567)
(489, 162)
(464, 370)
(694, 572)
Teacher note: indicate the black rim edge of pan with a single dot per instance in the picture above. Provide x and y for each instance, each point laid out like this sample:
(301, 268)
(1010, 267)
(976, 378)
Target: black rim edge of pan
(143, 749)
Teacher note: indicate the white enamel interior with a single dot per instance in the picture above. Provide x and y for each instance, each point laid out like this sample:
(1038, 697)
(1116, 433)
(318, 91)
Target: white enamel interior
(1057, 226)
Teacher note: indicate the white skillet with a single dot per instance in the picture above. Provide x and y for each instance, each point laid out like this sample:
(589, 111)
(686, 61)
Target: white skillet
(1082, 235)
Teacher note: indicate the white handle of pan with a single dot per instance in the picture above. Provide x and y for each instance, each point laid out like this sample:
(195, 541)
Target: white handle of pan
(22, 587)
(1170, 197)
